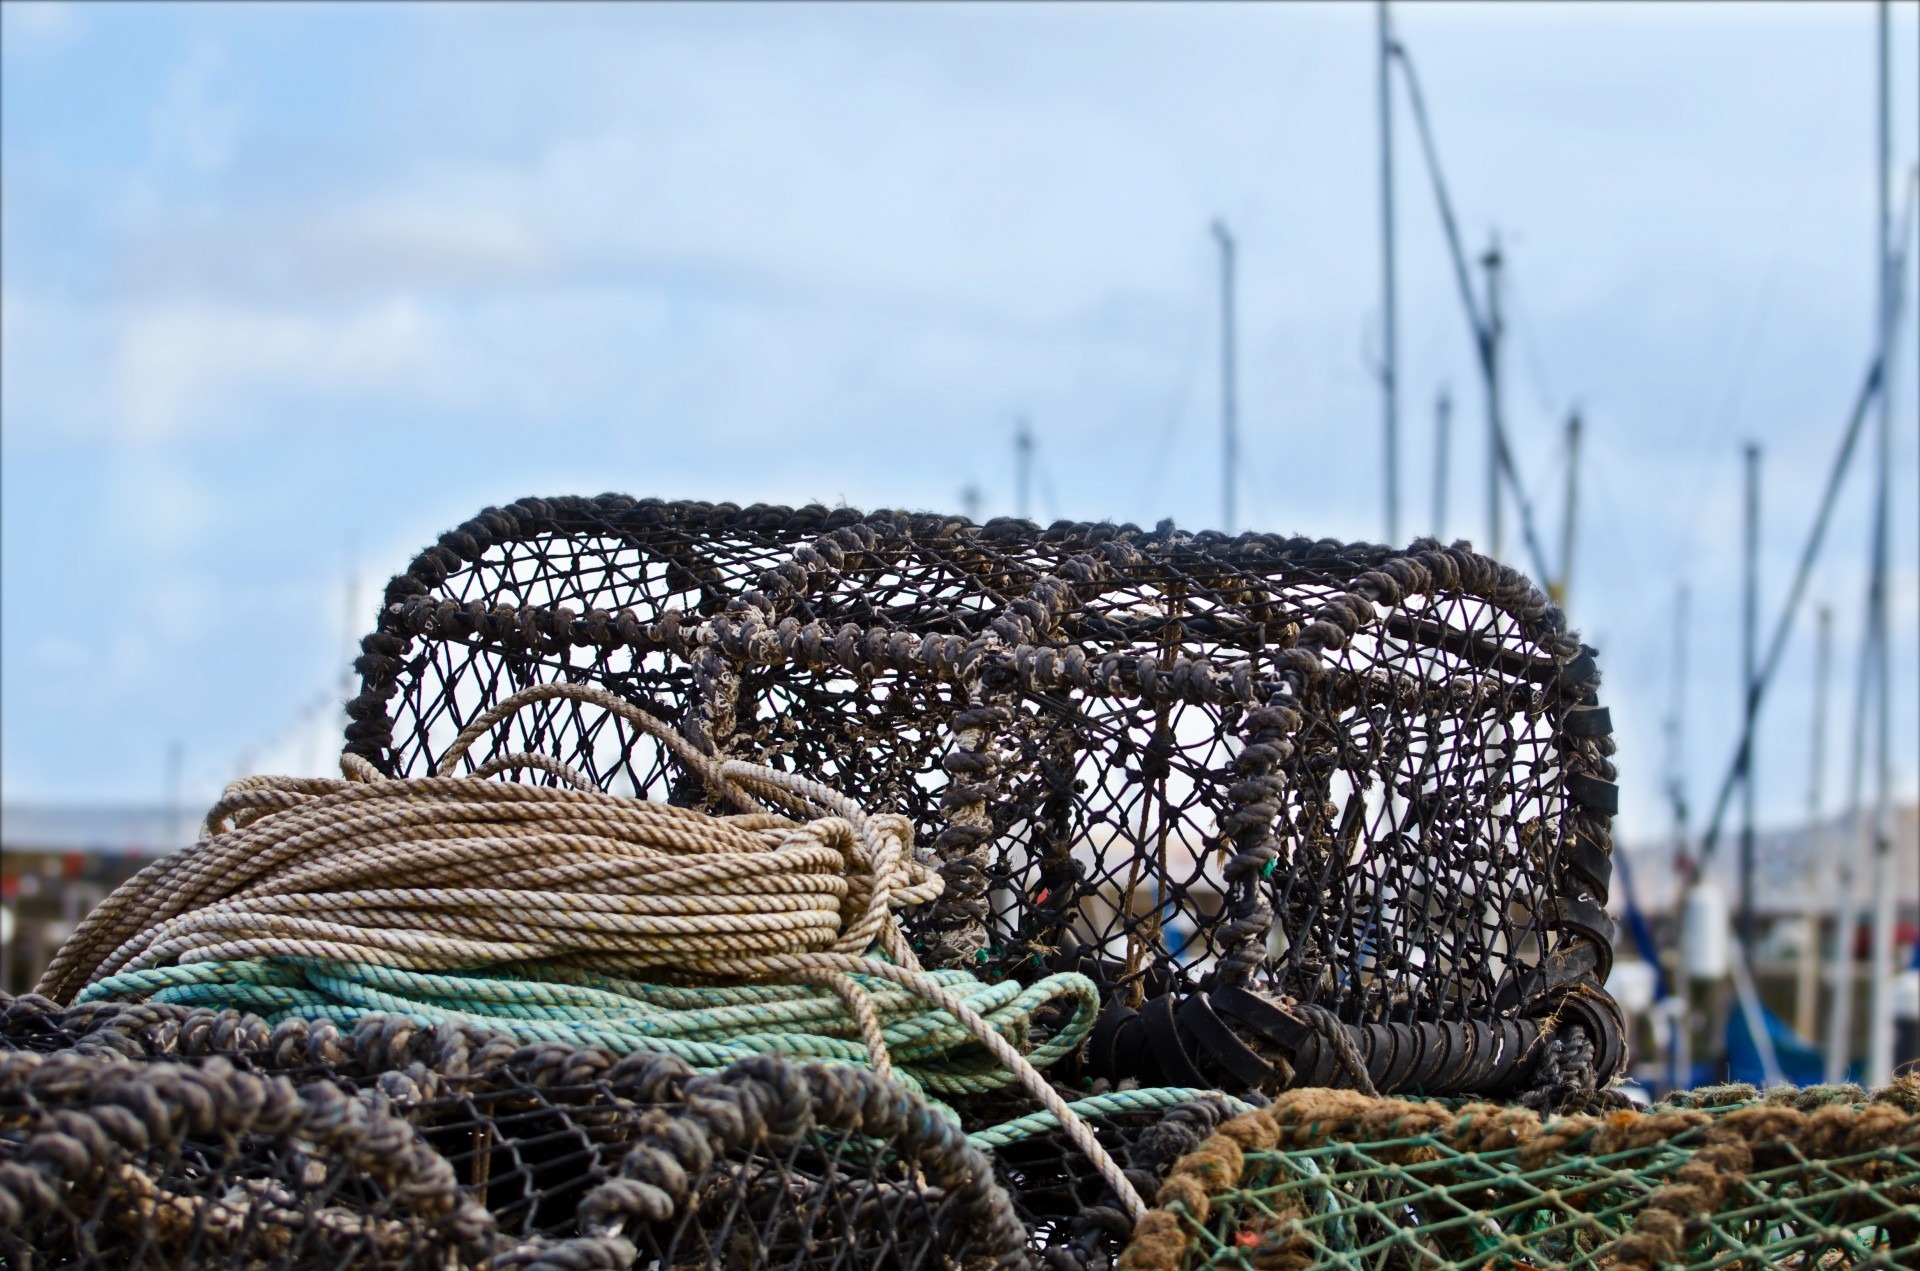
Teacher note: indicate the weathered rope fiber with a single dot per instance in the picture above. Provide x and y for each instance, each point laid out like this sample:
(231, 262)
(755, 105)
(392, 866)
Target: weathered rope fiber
(709, 1027)
(445, 872)
(440, 873)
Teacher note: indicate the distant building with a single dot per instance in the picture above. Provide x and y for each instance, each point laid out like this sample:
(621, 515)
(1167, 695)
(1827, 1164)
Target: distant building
(59, 861)
(1792, 867)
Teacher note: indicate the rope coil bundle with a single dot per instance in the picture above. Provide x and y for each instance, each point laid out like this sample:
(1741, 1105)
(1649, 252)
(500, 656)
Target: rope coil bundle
(443, 872)
(708, 1027)
(369, 893)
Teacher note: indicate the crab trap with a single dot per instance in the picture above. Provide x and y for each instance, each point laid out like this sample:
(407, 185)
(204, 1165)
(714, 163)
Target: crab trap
(1311, 814)
(145, 1136)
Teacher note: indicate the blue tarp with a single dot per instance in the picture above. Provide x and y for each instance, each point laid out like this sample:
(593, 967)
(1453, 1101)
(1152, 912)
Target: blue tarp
(1801, 1063)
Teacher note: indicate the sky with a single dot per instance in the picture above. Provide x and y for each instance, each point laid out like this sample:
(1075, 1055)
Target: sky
(286, 291)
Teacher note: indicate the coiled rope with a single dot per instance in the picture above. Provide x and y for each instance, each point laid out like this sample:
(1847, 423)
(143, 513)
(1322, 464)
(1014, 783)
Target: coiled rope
(709, 1027)
(371, 876)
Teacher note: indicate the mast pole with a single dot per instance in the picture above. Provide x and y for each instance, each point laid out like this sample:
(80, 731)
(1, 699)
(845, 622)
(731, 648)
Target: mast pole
(1023, 465)
(1806, 999)
(1882, 970)
(1490, 363)
(1229, 406)
(1390, 366)
(1558, 588)
(1749, 671)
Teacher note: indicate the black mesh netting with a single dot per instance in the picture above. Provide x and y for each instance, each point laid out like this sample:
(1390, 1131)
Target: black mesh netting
(1213, 773)
(157, 1136)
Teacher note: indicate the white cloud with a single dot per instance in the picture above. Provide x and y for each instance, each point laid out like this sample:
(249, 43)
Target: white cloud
(191, 125)
(448, 240)
(38, 25)
(179, 364)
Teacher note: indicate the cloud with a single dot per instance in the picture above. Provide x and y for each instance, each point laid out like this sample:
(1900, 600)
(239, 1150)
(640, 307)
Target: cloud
(38, 26)
(181, 363)
(191, 125)
(438, 236)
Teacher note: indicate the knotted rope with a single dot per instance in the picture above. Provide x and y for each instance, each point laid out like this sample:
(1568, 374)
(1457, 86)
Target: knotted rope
(444, 873)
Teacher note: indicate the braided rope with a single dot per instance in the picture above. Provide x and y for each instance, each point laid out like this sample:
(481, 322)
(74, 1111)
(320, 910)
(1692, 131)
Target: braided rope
(442, 873)
(709, 1028)
(1144, 1099)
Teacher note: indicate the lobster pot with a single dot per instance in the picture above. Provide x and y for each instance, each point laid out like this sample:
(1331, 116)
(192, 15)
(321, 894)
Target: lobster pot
(1296, 805)
(137, 1137)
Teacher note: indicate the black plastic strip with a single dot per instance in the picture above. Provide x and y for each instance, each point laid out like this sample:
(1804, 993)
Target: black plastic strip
(1485, 1038)
(1580, 669)
(1104, 1051)
(1313, 1063)
(1575, 913)
(1501, 1061)
(1458, 1050)
(1514, 1060)
(1406, 1057)
(1478, 651)
(1262, 1016)
(1589, 721)
(1564, 964)
(1434, 1054)
(1506, 995)
(1602, 798)
(1176, 1067)
(1220, 1045)
(1588, 861)
(1377, 1044)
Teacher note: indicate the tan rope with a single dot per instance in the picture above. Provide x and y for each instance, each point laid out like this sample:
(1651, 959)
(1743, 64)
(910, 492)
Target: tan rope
(451, 872)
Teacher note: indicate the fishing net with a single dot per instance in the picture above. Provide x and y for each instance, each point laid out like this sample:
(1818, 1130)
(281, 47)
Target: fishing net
(151, 1135)
(158, 1136)
(1820, 1178)
(1309, 813)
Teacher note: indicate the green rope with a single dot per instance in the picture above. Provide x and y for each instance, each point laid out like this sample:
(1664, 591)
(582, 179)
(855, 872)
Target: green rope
(708, 1027)
(1145, 1099)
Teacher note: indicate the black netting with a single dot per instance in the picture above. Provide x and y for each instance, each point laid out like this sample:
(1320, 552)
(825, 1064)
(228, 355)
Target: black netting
(157, 1136)
(1212, 773)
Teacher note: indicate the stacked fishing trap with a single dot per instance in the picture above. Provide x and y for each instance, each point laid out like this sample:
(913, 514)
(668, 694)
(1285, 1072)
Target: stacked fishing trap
(1206, 771)
(762, 887)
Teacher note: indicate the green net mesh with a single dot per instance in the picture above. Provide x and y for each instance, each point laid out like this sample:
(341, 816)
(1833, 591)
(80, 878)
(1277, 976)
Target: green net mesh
(1824, 1178)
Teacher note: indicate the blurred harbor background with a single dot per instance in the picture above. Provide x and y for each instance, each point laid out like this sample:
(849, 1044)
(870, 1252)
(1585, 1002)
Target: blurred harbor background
(288, 290)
